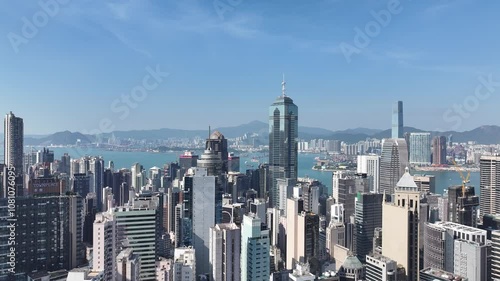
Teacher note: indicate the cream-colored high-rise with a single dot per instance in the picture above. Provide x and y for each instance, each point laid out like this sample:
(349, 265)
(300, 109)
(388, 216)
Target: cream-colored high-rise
(400, 226)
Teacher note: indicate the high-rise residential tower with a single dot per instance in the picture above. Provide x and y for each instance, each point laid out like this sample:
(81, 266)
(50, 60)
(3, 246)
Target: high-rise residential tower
(439, 150)
(13, 153)
(490, 185)
(420, 148)
(393, 162)
(283, 137)
(255, 265)
(225, 244)
(397, 120)
(14, 142)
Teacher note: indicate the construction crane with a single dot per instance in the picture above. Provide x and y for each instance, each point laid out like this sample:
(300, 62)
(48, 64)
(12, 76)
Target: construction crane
(465, 180)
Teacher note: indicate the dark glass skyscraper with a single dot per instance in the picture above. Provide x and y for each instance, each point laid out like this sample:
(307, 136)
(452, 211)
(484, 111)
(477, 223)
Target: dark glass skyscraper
(283, 135)
(14, 142)
(397, 120)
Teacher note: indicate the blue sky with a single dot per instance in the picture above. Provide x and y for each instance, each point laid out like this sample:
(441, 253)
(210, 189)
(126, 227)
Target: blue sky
(226, 70)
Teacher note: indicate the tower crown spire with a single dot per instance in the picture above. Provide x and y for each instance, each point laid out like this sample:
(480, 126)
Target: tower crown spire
(283, 87)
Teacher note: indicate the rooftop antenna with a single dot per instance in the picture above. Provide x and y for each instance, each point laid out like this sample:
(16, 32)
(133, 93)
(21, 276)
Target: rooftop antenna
(209, 131)
(283, 87)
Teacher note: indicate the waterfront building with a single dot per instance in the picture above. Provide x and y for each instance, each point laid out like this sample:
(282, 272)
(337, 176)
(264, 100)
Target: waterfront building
(439, 150)
(420, 148)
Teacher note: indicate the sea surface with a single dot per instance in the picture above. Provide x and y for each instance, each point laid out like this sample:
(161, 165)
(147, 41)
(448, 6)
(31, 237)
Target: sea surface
(444, 179)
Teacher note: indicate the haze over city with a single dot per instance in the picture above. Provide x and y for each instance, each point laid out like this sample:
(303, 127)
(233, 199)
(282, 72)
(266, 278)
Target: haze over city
(227, 61)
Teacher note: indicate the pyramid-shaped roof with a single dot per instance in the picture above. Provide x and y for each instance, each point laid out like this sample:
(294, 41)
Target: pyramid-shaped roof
(407, 180)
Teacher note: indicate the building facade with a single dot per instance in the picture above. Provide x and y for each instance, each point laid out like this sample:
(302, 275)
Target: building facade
(490, 185)
(401, 226)
(393, 163)
(420, 148)
(439, 150)
(368, 217)
(225, 244)
(255, 261)
(283, 138)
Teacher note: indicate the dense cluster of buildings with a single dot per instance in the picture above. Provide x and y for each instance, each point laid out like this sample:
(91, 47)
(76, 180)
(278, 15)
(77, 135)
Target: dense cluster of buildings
(202, 219)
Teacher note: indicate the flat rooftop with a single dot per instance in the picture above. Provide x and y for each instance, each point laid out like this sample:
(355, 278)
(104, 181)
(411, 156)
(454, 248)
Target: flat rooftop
(442, 274)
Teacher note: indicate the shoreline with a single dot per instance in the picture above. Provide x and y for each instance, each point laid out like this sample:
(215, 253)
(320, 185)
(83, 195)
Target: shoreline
(445, 169)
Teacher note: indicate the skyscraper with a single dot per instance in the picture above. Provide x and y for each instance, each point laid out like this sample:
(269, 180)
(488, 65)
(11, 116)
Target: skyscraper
(457, 248)
(462, 208)
(138, 227)
(490, 185)
(13, 153)
(47, 239)
(218, 144)
(225, 243)
(14, 142)
(368, 217)
(204, 216)
(105, 245)
(393, 163)
(420, 148)
(400, 224)
(397, 120)
(370, 165)
(255, 261)
(439, 150)
(283, 137)
(96, 169)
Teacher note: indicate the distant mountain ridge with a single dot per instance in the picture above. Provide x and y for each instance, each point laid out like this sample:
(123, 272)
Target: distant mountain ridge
(482, 135)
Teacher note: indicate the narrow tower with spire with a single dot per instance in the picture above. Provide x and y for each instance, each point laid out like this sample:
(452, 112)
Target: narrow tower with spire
(283, 136)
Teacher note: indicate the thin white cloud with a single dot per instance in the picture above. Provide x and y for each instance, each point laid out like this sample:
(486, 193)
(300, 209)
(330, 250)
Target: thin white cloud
(437, 9)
